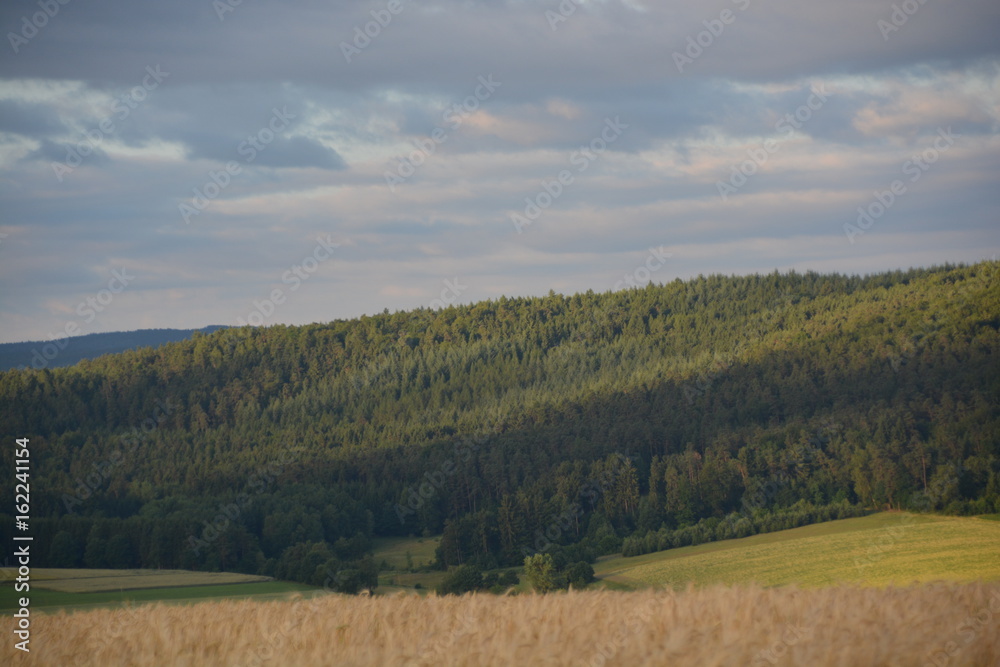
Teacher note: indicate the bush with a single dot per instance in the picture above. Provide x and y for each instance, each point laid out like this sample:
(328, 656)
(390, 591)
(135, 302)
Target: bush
(463, 579)
(347, 581)
(508, 579)
(579, 574)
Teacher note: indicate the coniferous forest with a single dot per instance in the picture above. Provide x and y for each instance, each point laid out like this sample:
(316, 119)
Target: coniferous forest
(573, 425)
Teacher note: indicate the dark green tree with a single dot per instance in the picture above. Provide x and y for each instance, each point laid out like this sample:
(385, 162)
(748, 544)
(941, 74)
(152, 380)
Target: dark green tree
(64, 551)
(579, 574)
(463, 579)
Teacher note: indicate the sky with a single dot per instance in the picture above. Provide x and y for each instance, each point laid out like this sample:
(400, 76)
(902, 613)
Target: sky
(176, 165)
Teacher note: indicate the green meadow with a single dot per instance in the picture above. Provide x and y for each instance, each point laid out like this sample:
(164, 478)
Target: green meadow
(394, 550)
(890, 548)
(53, 589)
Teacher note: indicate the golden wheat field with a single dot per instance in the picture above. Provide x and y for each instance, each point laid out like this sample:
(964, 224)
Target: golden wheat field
(930, 624)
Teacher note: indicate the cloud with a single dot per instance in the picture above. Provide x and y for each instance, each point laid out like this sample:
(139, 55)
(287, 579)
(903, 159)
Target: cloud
(601, 47)
(345, 125)
(51, 152)
(28, 119)
(907, 109)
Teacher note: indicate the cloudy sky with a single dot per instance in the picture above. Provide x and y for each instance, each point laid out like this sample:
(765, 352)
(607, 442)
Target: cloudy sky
(216, 162)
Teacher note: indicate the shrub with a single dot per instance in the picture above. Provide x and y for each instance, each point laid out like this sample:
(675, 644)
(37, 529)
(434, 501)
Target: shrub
(509, 578)
(463, 579)
(579, 574)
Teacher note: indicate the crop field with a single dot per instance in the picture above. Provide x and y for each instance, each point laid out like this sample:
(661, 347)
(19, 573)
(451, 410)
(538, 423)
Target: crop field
(877, 550)
(954, 624)
(83, 589)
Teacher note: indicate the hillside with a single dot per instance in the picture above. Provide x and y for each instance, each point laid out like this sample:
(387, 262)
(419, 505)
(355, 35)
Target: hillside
(889, 548)
(649, 418)
(68, 351)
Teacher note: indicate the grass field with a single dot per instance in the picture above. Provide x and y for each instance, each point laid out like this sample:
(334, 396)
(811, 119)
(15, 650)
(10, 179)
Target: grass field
(52, 589)
(877, 550)
(400, 578)
(94, 581)
(952, 624)
(393, 550)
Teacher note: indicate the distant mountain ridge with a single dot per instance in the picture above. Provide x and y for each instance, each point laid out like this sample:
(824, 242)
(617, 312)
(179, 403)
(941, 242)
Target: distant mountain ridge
(68, 351)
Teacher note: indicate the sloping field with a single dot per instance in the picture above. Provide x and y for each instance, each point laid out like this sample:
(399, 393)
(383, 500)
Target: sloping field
(54, 601)
(877, 550)
(954, 624)
(93, 581)
(53, 589)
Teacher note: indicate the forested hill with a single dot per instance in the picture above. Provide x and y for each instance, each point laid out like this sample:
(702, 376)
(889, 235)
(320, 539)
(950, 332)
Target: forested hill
(68, 351)
(664, 415)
